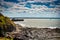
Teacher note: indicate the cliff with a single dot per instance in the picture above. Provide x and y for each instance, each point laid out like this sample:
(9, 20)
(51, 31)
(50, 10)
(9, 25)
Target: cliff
(6, 25)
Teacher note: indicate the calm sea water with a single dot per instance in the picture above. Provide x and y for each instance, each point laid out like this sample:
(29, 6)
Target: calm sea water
(38, 23)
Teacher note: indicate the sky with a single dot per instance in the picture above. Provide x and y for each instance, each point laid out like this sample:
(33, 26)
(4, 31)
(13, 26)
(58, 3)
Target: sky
(48, 8)
(42, 2)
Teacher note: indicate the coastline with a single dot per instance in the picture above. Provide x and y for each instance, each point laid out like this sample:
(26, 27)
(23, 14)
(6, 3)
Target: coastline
(39, 23)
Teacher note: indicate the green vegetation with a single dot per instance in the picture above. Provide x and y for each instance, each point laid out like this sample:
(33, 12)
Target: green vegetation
(6, 25)
(3, 38)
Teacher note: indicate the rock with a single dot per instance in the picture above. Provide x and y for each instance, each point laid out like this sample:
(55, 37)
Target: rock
(38, 34)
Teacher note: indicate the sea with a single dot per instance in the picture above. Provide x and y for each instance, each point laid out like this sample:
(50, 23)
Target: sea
(39, 23)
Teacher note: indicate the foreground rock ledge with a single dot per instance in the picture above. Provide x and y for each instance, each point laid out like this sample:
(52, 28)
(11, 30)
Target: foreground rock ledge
(37, 34)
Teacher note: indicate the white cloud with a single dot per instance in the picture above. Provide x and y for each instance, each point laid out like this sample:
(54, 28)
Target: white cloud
(41, 0)
(20, 0)
(8, 4)
(41, 9)
(36, 12)
(2, 2)
(45, 0)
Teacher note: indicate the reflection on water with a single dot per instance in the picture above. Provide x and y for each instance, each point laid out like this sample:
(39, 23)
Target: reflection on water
(39, 22)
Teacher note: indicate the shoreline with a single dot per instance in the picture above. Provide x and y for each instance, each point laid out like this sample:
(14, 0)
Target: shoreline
(39, 23)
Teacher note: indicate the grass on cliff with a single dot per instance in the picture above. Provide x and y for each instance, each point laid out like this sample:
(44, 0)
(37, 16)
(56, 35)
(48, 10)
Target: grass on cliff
(6, 25)
(3, 38)
(5, 21)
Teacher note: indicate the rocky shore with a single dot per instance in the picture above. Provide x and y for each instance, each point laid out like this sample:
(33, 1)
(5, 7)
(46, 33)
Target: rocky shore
(10, 30)
(36, 34)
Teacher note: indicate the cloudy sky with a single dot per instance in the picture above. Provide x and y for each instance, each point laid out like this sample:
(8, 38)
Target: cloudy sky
(42, 2)
(7, 6)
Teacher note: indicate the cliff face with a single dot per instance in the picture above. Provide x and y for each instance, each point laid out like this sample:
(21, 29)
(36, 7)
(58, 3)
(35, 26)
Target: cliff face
(6, 25)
